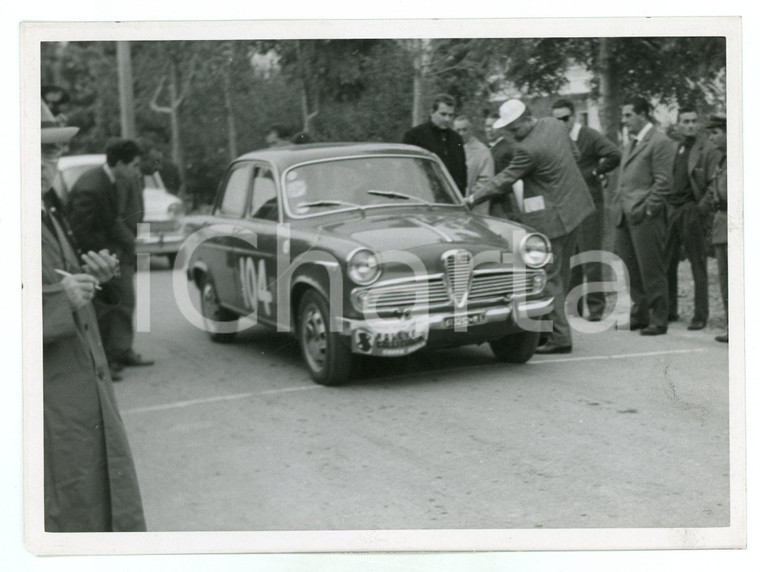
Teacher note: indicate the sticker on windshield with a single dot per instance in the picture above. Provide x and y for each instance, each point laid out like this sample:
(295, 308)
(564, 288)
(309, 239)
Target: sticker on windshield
(296, 189)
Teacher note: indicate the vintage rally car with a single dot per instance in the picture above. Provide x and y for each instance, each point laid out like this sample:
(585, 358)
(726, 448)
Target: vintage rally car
(363, 249)
(164, 212)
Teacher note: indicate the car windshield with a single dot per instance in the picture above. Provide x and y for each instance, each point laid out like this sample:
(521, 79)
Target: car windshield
(321, 187)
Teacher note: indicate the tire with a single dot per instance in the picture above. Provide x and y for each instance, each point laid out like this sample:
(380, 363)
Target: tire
(211, 309)
(328, 359)
(515, 348)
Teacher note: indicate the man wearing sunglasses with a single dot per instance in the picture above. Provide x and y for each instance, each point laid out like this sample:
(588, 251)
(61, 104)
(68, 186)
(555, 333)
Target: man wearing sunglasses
(598, 156)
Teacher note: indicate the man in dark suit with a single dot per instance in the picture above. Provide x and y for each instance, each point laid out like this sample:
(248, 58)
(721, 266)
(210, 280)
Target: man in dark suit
(555, 199)
(90, 482)
(97, 223)
(598, 155)
(689, 212)
(639, 214)
(437, 137)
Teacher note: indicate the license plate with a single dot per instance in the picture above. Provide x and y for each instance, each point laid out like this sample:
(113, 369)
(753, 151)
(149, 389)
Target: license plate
(395, 342)
(463, 321)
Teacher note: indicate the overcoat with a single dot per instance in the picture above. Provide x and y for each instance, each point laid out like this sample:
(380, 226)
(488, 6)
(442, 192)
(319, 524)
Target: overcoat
(555, 195)
(90, 478)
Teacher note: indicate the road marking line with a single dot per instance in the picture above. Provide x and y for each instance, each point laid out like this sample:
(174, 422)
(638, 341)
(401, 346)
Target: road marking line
(205, 400)
(616, 356)
(233, 397)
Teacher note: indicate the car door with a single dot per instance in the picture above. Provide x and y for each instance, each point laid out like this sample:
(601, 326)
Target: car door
(257, 266)
(222, 251)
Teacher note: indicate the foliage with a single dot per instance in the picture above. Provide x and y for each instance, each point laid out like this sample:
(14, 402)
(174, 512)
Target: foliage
(354, 89)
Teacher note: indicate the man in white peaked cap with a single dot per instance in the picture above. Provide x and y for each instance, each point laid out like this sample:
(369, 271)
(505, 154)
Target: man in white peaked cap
(555, 199)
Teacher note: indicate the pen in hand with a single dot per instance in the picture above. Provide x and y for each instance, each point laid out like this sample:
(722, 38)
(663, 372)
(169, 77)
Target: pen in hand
(64, 273)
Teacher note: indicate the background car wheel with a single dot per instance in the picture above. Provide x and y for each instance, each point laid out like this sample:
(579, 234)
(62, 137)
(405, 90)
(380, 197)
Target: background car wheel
(515, 348)
(212, 310)
(328, 359)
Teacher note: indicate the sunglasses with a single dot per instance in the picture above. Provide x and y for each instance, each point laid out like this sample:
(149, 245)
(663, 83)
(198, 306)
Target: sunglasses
(564, 117)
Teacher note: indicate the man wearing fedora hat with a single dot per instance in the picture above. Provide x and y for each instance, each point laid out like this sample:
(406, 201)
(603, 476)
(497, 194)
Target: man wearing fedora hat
(90, 483)
(555, 202)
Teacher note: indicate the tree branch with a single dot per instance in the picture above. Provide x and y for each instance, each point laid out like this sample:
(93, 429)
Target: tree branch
(154, 100)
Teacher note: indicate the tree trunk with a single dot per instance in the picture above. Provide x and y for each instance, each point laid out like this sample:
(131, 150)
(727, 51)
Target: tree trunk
(231, 125)
(126, 90)
(177, 157)
(609, 90)
(420, 61)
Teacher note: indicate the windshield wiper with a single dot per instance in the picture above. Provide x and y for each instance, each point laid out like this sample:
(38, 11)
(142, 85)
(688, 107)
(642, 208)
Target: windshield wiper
(327, 204)
(395, 195)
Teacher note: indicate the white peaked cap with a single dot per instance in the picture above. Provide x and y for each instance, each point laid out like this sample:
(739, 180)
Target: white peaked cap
(509, 112)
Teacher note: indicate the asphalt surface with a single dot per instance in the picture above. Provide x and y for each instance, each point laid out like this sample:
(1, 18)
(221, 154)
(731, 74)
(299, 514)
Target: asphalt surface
(627, 431)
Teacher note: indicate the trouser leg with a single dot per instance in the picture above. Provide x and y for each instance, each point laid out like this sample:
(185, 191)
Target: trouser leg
(693, 233)
(625, 250)
(122, 322)
(558, 279)
(721, 257)
(649, 238)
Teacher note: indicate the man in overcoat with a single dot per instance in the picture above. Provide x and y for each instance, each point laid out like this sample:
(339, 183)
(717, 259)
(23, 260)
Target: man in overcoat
(597, 157)
(555, 199)
(718, 196)
(437, 137)
(640, 216)
(90, 483)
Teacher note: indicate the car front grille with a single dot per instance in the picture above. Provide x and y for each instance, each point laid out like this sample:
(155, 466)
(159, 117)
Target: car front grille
(432, 292)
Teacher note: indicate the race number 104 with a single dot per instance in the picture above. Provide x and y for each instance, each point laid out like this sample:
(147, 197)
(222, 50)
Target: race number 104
(254, 284)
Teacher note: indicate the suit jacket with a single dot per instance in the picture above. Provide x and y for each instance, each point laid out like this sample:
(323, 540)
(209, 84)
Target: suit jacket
(646, 177)
(131, 204)
(447, 144)
(90, 479)
(597, 153)
(93, 213)
(555, 196)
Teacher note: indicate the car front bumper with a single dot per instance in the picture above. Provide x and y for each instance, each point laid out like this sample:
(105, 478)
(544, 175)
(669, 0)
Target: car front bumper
(160, 243)
(393, 337)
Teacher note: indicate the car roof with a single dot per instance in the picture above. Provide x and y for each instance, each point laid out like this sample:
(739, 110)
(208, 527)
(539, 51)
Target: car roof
(284, 157)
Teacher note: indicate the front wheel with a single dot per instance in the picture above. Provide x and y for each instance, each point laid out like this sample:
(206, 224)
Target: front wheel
(213, 311)
(515, 348)
(328, 359)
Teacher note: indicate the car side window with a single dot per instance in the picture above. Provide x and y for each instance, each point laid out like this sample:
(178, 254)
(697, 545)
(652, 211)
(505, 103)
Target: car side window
(264, 200)
(236, 191)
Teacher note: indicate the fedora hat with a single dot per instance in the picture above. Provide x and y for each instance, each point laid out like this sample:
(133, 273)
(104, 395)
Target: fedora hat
(508, 112)
(52, 131)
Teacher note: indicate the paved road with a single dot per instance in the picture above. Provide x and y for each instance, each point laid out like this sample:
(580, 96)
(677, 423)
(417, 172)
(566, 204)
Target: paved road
(626, 431)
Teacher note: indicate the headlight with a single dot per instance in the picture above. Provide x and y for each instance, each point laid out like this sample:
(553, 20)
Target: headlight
(176, 210)
(535, 250)
(363, 267)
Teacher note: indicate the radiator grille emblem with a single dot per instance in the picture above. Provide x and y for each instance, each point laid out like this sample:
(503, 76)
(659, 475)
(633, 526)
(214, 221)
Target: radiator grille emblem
(458, 272)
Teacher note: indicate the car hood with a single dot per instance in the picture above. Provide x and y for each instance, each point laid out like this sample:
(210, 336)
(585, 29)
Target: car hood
(394, 230)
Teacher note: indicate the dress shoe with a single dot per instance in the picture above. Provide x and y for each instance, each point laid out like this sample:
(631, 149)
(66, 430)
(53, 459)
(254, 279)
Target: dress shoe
(115, 366)
(637, 326)
(654, 331)
(134, 359)
(551, 348)
(594, 318)
(722, 338)
(115, 376)
(696, 325)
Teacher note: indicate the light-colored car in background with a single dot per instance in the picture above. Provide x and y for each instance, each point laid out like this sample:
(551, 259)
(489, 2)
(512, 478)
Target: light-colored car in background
(163, 211)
